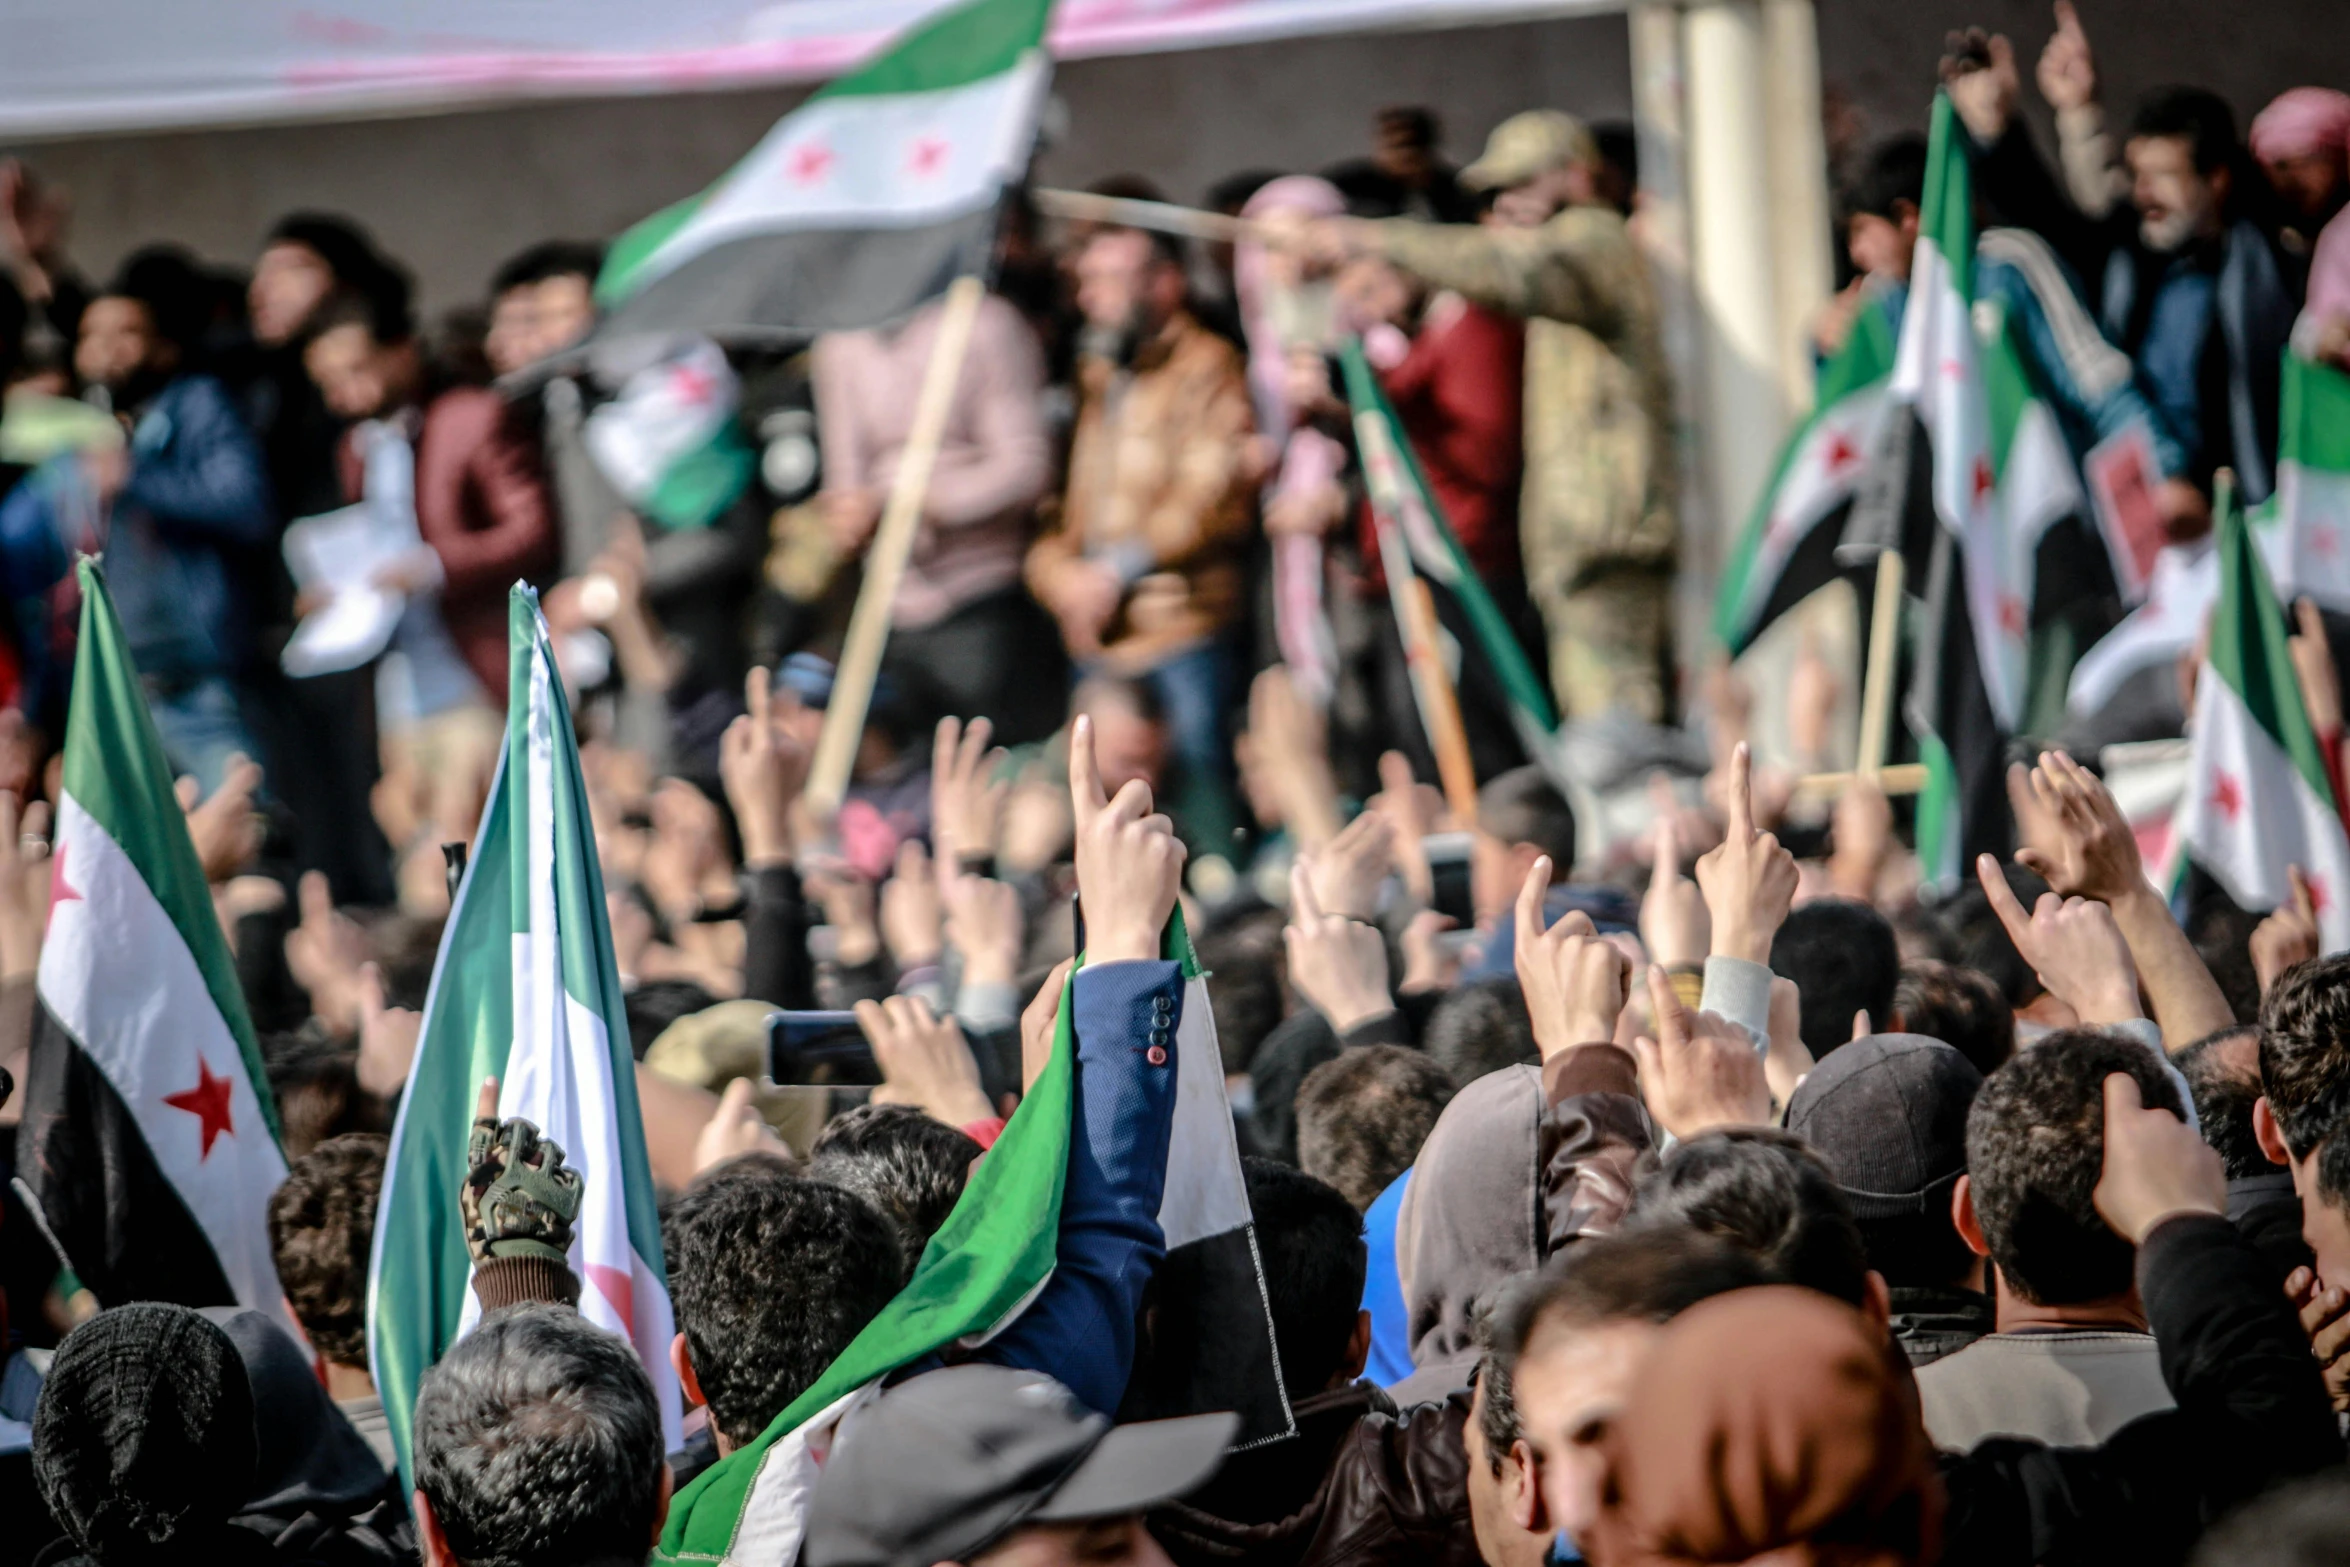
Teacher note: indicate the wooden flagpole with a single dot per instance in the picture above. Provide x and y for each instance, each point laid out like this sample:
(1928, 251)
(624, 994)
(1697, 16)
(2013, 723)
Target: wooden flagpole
(1876, 697)
(885, 561)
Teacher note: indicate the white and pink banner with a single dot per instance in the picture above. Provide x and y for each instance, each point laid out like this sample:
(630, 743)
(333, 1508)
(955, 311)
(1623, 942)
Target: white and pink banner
(73, 67)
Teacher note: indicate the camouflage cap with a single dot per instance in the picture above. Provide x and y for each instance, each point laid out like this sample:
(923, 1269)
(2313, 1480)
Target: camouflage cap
(1528, 144)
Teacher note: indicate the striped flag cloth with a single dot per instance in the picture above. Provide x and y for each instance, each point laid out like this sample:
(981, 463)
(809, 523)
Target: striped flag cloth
(1998, 475)
(1415, 541)
(859, 205)
(525, 990)
(2257, 797)
(2304, 528)
(150, 1140)
(1787, 550)
(993, 1255)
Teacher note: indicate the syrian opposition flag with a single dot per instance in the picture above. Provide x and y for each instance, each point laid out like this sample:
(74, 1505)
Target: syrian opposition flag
(525, 990)
(1787, 550)
(1999, 475)
(859, 205)
(1415, 541)
(2257, 796)
(150, 1140)
(992, 1257)
(668, 443)
(2304, 527)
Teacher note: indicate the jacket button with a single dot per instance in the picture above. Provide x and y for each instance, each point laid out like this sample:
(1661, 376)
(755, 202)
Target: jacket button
(1156, 1055)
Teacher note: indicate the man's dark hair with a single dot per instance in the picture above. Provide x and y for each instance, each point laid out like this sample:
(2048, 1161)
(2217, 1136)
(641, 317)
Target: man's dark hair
(1983, 942)
(1480, 1027)
(2221, 933)
(314, 1077)
(382, 311)
(1242, 952)
(1764, 1191)
(321, 1225)
(538, 1442)
(1524, 806)
(2201, 119)
(2223, 1073)
(167, 281)
(910, 1167)
(1136, 187)
(657, 1003)
(548, 259)
(772, 1275)
(1410, 122)
(1312, 1242)
(1895, 172)
(2035, 1146)
(1362, 1118)
(1842, 956)
(1959, 1006)
(2305, 1051)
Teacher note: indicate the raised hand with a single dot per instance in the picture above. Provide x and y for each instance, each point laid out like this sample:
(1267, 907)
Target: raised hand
(764, 771)
(1129, 861)
(1414, 810)
(2313, 667)
(2067, 73)
(387, 1037)
(2089, 850)
(1748, 880)
(226, 829)
(924, 1059)
(1575, 980)
(1338, 964)
(1350, 868)
(2156, 1167)
(24, 886)
(983, 925)
(1979, 72)
(735, 1129)
(911, 925)
(2325, 1318)
(2288, 936)
(324, 953)
(966, 793)
(1700, 1071)
(2072, 944)
(1674, 925)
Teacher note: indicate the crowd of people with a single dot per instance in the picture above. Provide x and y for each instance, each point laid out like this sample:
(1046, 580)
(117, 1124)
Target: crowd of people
(1664, 1176)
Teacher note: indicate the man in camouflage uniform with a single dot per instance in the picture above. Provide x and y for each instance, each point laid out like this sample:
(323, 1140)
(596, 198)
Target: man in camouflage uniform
(1596, 515)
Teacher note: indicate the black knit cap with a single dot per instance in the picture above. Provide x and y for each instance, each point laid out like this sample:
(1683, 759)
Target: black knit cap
(143, 1438)
(1888, 1113)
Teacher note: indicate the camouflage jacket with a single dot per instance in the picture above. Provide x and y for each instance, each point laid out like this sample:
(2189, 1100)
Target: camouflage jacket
(1600, 482)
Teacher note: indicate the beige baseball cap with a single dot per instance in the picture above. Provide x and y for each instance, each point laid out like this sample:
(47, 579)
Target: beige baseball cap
(1528, 144)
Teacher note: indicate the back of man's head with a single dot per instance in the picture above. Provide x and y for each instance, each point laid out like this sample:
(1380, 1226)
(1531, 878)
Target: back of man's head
(1524, 806)
(546, 260)
(909, 1166)
(1894, 172)
(1765, 1192)
(1842, 956)
(1480, 1027)
(1312, 1242)
(2223, 1073)
(1889, 1114)
(2305, 1051)
(1962, 1007)
(538, 1443)
(1362, 1117)
(772, 1275)
(321, 1225)
(2035, 1145)
(1244, 952)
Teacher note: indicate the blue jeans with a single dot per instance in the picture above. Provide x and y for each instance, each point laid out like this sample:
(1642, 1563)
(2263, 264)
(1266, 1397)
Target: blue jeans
(202, 728)
(1195, 691)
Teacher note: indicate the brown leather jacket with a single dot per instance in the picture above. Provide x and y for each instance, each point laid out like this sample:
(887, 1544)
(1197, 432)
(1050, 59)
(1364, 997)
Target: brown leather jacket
(1362, 1484)
(1158, 486)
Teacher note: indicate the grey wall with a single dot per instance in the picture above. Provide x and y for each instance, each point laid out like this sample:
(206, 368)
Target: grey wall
(455, 193)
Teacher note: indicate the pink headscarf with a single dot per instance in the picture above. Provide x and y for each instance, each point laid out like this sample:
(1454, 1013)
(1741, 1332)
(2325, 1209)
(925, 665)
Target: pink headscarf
(2302, 121)
(1308, 197)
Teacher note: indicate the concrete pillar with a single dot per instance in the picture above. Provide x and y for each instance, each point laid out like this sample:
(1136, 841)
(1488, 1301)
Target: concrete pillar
(1803, 261)
(1746, 406)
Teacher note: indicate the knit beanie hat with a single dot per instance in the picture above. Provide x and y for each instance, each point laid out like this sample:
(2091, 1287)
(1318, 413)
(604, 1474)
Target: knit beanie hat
(143, 1439)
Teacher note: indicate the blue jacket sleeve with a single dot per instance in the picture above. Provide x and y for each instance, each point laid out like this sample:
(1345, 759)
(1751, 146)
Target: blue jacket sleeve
(195, 468)
(1080, 1329)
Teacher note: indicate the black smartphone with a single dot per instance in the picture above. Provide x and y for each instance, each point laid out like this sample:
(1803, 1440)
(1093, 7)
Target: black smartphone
(1448, 876)
(819, 1048)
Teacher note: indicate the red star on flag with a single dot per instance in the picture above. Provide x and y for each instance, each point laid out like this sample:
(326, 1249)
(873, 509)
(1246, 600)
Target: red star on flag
(1840, 456)
(1983, 481)
(2227, 796)
(208, 1102)
(61, 890)
(810, 163)
(693, 385)
(2317, 892)
(2011, 615)
(927, 156)
(2324, 543)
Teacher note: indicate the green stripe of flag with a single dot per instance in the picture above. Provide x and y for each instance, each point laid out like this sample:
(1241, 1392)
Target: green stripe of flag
(115, 769)
(961, 46)
(2249, 647)
(2314, 416)
(1947, 211)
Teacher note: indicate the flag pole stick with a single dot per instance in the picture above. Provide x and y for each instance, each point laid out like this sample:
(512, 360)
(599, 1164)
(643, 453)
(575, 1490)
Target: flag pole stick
(1440, 705)
(885, 562)
(1876, 692)
(1083, 206)
(1900, 778)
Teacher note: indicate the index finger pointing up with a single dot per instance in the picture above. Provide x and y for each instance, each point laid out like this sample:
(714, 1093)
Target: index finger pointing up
(1668, 853)
(1085, 775)
(758, 688)
(1741, 802)
(2003, 900)
(1530, 896)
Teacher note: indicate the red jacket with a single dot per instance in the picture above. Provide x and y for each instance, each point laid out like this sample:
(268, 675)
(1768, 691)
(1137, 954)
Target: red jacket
(481, 503)
(1458, 394)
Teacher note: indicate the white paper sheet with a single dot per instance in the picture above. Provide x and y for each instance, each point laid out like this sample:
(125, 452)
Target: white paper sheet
(336, 555)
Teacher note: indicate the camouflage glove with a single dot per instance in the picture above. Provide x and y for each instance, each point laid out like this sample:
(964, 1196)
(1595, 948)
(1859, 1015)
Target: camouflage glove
(519, 1199)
